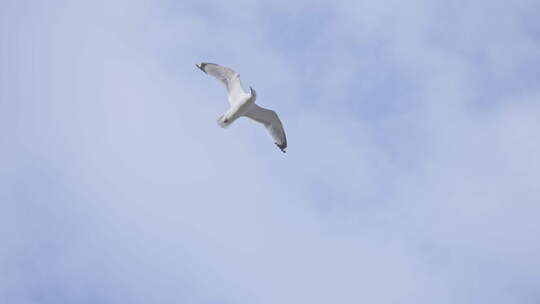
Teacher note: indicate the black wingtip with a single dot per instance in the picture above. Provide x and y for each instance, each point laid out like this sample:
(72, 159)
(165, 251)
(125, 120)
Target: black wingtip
(201, 67)
(282, 147)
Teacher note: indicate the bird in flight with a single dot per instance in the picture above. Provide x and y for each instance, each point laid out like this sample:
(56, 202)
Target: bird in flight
(243, 104)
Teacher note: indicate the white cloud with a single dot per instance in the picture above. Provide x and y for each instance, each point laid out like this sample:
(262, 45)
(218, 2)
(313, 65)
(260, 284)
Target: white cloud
(120, 187)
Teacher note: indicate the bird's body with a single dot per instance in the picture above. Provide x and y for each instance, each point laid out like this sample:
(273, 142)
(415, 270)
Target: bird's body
(243, 104)
(240, 104)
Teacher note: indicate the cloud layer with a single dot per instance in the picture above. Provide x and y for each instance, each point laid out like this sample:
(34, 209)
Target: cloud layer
(411, 175)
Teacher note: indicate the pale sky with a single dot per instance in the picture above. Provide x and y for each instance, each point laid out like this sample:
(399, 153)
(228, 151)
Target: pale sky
(412, 172)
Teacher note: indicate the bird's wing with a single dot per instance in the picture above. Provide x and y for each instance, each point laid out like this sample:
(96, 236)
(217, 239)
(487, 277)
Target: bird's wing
(228, 77)
(271, 122)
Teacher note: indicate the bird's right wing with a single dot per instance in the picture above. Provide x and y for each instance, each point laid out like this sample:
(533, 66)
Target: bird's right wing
(227, 76)
(271, 122)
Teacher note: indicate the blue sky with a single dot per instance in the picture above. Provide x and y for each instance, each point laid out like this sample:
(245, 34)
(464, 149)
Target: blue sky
(411, 174)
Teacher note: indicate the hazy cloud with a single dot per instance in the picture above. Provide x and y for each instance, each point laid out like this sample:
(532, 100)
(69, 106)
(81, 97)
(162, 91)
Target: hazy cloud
(411, 175)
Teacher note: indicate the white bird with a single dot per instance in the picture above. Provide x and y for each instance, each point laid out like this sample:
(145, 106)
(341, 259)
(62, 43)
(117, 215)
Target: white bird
(243, 104)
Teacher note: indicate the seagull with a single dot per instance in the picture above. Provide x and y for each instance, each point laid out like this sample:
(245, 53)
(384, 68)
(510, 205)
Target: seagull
(243, 104)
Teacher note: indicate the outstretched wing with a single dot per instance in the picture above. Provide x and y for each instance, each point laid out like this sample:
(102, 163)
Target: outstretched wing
(228, 77)
(271, 122)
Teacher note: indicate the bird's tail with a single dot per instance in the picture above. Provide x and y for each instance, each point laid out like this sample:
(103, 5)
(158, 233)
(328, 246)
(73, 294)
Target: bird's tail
(223, 122)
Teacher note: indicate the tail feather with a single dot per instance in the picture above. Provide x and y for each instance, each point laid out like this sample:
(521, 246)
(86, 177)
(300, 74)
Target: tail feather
(222, 123)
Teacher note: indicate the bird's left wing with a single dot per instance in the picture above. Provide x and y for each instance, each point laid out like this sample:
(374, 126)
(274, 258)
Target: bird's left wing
(227, 76)
(271, 122)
